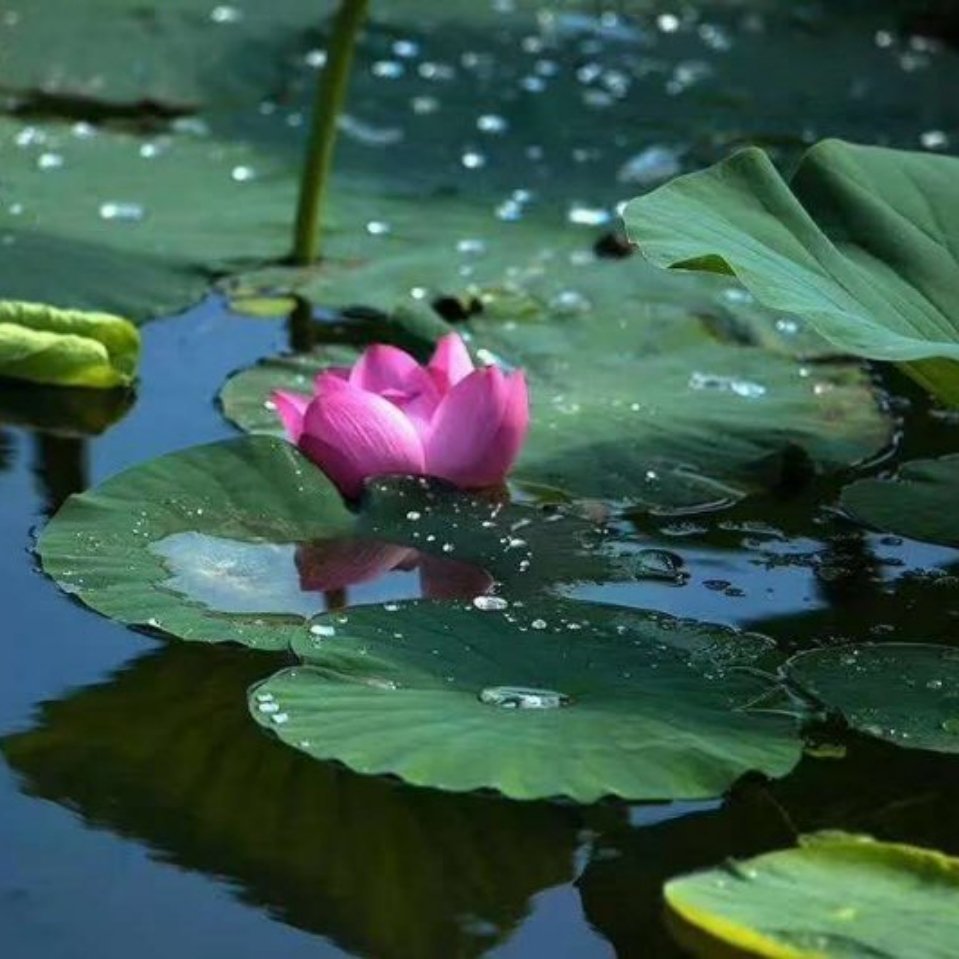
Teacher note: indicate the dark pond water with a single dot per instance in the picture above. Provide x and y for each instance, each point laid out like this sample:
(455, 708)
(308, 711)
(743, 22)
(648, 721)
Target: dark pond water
(142, 812)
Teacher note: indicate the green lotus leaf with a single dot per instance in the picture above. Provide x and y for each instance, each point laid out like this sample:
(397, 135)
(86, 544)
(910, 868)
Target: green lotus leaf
(906, 693)
(161, 751)
(919, 502)
(246, 541)
(861, 242)
(835, 896)
(534, 699)
(43, 344)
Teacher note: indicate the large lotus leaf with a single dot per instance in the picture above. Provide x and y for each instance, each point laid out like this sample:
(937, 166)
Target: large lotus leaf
(108, 546)
(246, 541)
(161, 751)
(644, 406)
(66, 347)
(861, 242)
(835, 896)
(536, 698)
(906, 693)
(919, 502)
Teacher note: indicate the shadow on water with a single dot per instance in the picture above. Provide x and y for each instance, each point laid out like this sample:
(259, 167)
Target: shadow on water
(914, 799)
(165, 753)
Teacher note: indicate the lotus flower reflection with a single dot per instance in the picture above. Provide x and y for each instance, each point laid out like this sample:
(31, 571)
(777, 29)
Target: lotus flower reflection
(335, 566)
(388, 414)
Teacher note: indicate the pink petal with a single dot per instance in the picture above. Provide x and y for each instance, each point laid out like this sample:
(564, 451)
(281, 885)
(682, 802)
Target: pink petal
(340, 372)
(383, 368)
(479, 428)
(450, 362)
(353, 435)
(397, 377)
(332, 564)
(290, 408)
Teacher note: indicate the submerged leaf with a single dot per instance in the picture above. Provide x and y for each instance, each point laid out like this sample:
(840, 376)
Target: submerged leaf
(44, 344)
(904, 693)
(862, 242)
(835, 896)
(919, 502)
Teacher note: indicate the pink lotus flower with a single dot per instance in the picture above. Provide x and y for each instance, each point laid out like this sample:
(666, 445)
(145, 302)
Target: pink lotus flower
(389, 414)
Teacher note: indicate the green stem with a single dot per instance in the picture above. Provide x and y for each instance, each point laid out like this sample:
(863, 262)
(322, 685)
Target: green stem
(330, 94)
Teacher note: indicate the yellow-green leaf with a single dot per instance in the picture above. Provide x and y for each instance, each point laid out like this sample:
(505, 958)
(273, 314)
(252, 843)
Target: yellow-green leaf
(835, 896)
(44, 344)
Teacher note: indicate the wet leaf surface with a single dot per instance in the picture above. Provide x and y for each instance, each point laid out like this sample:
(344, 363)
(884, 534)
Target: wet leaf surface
(534, 699)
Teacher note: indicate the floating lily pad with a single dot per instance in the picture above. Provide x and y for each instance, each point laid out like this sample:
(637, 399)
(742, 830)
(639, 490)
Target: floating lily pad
(104, 545)
(906, 693)
(919, 502)
(861, 242)
(534, 699)
(835, 896)
(159, 752)
(246, 540)
(644, 406)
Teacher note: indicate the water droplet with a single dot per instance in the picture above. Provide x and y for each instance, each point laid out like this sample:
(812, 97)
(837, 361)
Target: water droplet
(473, 159)
(471, 246)
(570, 302)
(653, 165)
(413, 515)
(491, 123)
(728, 384)
(280, 718)
(388, 69)
(315, 59)
(581, 215)
(224, 13)
(523, 697)
(319, 630)
(667, 23)
(424, 105)
(121, 212)
(242, 174)
(377, 228)
(490, 602)
(50, 161)
(934, 139)
(30, 136)
(538, 624)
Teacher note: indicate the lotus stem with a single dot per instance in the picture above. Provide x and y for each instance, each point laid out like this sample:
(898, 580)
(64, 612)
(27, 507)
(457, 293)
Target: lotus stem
(330, 94)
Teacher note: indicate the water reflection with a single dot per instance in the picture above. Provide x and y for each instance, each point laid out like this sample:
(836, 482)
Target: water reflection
(166, 754)
(305, 579)
(914, 801)
(343, 569)
(6, 450)
(61, 466)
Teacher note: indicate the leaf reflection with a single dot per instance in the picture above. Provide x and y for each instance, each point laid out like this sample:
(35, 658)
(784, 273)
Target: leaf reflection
(165, 754)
